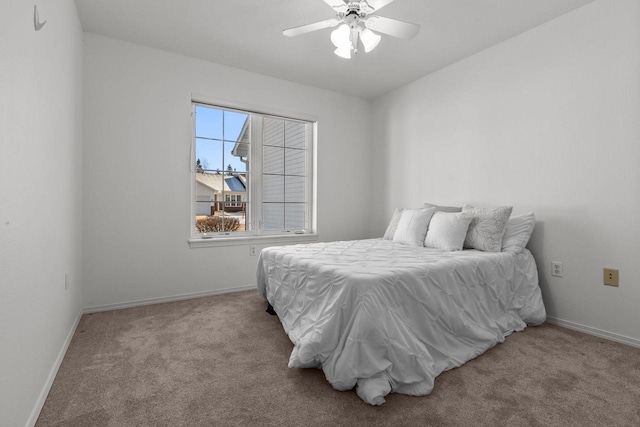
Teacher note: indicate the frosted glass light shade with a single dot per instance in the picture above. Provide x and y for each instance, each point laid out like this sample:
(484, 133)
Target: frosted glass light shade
(340, 36)
(344, 51)
(369, 39)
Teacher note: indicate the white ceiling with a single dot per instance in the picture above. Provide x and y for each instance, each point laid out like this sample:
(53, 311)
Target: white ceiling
(247, 34)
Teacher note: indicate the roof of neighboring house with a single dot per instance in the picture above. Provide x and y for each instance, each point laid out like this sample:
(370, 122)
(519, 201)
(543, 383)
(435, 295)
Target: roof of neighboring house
(241, 147)
(223, 182)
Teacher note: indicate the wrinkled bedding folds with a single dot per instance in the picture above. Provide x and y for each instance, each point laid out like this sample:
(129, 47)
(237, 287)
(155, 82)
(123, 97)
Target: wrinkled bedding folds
(389, 317)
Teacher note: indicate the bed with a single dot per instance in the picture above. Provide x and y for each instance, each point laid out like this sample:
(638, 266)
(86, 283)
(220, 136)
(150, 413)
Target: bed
(387, 317)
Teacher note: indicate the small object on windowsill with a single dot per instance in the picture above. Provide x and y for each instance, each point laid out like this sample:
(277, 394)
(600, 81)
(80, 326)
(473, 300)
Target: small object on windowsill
(299, 232)
(205, 236)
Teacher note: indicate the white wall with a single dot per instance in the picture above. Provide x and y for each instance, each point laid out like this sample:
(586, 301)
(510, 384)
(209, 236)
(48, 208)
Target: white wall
(40, 199)
(136, 154)
(548, 121)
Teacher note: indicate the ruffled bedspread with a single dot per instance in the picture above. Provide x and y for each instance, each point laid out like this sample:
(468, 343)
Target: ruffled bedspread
(389, 317)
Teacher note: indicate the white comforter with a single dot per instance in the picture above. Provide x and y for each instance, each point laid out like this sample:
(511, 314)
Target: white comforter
(391, 317)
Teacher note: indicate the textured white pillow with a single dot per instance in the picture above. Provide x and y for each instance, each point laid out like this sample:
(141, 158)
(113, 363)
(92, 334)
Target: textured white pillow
(518, 231)
(447, 230)
(393, 225)
(487, 227)
(443, 208)
(412, 226)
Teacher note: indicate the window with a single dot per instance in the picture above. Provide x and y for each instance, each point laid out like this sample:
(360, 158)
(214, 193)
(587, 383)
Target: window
(233, 200)
(252, 173)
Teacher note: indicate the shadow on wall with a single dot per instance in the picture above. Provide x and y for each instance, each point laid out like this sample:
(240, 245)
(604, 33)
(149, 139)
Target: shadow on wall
(536, 246)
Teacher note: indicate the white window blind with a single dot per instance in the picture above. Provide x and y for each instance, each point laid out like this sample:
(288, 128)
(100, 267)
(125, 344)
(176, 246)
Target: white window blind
(284, 174)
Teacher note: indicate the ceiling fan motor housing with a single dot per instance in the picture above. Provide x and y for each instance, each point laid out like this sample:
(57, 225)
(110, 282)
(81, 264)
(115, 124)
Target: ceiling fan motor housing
(354, 18)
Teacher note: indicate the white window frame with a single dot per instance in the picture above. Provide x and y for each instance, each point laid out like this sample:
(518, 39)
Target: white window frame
(254, 194)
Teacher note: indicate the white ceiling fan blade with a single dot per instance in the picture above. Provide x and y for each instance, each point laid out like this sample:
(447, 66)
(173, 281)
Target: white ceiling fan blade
(377, 4)
(338, 5)
(392, 27)
(303, 29)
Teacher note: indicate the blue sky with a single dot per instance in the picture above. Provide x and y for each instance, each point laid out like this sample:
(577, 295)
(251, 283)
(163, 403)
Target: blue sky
(216, 134)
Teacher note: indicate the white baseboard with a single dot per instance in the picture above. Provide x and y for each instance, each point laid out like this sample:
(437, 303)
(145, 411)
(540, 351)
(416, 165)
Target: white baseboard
(35, 413)
(594, 331)
(159, 300)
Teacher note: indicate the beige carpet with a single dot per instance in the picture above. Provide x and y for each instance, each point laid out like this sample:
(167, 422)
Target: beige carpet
(222, 361)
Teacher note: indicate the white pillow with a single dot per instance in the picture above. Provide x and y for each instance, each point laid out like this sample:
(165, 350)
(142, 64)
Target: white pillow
(447, 230)
(443, 208)
(412, 226)
(518, 231)
(393, 225)
(487, 227)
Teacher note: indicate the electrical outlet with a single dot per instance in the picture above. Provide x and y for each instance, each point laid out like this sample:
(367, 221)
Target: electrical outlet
(66, 280)
(556, 269)
(611, 277)
(252, 250)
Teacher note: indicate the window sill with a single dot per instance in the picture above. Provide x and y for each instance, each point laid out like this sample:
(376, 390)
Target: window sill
(252, 240)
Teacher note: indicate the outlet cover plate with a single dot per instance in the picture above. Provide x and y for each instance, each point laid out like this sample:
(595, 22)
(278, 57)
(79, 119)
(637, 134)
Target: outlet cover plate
(611, 277)
(556, 269)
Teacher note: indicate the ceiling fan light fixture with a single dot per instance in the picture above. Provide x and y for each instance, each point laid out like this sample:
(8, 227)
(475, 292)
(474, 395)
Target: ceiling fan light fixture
(369, 39)
(355, 20)
(340, 36)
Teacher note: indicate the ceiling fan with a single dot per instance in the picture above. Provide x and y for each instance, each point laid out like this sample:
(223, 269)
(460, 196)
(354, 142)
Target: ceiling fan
(355, 21)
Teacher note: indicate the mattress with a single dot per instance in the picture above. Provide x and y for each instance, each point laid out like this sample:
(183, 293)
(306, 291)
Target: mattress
(387, 317)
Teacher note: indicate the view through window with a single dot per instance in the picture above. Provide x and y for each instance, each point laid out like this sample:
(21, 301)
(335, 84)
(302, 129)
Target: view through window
(251, 173)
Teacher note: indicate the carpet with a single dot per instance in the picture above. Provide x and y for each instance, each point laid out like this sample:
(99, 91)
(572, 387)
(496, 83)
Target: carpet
(222, 361)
